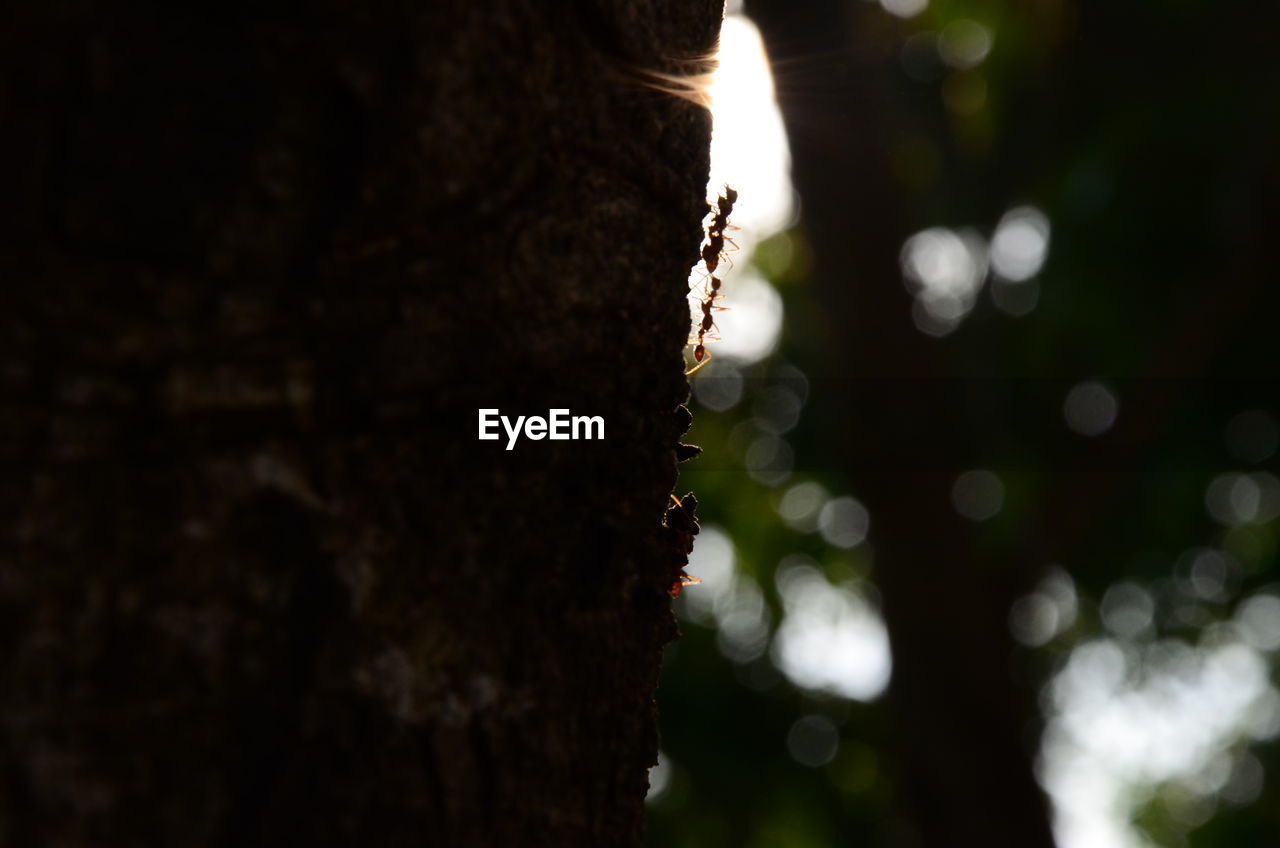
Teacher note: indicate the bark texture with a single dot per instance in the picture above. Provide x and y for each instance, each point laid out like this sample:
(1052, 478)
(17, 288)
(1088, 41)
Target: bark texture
(262, 262)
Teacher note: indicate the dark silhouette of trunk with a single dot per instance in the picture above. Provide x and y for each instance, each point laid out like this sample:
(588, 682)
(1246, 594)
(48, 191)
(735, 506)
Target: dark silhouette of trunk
(962, 716)
(260, 582)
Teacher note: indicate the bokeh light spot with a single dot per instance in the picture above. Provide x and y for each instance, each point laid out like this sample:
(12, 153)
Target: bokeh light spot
(1016, 299)
(1036, 618)
(777, 410)
(813, 741)
(978, 495)
(844, 522)
(769, 460)
(831, 637)
(1033, 620)
(720, 388)
(944, 270)
(1128, 610)
(1090, 408)
(1258, 619)
(801, 505)
(1237, 498)
(749, 330)
(1020, 243)
(964, 43)
(904, 8)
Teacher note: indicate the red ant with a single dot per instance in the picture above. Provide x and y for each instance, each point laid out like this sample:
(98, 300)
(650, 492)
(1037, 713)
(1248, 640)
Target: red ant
(701, 356)
(682, 519)
(712, 253)
(707, 321)
(680, 582)
(711, 286)
(725, 203)
(700, 350)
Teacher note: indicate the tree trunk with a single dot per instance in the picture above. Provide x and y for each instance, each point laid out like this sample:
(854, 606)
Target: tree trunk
(260, 582)
(903, 429)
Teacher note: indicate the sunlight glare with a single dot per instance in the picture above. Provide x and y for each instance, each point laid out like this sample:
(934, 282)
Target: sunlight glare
(748, 152)
(659, 779)
(749, 145)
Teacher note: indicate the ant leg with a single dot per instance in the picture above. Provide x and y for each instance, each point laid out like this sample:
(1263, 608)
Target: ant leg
(705, 359)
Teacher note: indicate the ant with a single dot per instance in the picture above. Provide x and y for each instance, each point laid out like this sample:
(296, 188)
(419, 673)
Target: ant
(711, 287)
(682, 519)
(700, 354)
(713, 251)
(725, 205)
(712, 254)
(707, 321)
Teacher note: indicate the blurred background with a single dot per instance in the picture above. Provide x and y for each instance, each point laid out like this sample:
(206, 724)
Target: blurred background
(988, 496)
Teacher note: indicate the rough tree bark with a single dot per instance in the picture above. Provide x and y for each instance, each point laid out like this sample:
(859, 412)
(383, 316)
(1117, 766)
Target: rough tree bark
(260, 583)
(905, 429)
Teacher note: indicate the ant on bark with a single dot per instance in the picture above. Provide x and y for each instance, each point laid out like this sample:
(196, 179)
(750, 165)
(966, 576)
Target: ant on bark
(713, 252)
(700, 350)
(683, 520)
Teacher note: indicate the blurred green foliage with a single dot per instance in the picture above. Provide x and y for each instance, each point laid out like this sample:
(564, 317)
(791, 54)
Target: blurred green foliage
(1148, 135)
